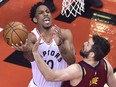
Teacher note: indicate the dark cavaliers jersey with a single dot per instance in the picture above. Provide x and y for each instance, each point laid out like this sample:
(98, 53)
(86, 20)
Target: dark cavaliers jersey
(92, 76)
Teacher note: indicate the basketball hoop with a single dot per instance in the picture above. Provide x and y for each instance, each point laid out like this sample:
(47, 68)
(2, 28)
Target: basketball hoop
(72, 7)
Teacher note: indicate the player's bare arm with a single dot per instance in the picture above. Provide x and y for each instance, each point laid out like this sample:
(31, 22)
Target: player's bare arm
(111, 78)
(30, 42)
(51, 75)
(66, 47)
(65, 44)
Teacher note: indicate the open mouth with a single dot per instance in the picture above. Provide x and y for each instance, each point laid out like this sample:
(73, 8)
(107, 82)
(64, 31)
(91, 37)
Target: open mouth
(46, 20)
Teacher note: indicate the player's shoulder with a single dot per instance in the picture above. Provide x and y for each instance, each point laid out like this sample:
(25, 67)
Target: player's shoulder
(77, 69)
(77, 66)
(107, 62)
(65, 30)
(32, 37)
(109, 66)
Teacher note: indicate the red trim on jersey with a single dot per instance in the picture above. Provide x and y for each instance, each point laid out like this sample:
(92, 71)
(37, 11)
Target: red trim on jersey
(53, 35)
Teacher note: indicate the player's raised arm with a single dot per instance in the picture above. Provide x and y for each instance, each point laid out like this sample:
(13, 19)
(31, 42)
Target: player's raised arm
(57, 75)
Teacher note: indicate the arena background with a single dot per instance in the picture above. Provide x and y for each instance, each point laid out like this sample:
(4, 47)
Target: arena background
(15, 71)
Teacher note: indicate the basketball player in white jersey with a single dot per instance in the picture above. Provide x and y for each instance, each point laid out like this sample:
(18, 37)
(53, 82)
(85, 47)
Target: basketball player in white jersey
(56, 46)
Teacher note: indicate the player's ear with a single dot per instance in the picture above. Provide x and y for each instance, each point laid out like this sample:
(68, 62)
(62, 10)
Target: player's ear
(92, 54)
(35, 20)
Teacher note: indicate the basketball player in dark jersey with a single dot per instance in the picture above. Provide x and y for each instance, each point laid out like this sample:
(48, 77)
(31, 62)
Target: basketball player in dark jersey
(92, 71)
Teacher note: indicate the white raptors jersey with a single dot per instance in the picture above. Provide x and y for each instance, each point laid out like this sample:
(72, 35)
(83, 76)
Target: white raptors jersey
(51, 55)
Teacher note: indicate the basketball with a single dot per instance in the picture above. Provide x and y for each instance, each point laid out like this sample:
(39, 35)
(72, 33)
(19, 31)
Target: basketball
(14, 32)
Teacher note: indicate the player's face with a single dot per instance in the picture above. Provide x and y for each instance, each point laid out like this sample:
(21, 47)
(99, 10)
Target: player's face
(43, 16)
(84, 52)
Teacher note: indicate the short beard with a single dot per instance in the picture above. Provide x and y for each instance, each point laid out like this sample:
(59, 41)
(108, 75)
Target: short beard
(84, 54)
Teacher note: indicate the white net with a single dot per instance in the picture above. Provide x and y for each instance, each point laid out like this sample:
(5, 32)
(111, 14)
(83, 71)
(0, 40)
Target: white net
(72, 7)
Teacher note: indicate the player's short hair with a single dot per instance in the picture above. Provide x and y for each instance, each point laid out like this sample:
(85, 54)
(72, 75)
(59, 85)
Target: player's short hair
(33, 9)
(101, 47)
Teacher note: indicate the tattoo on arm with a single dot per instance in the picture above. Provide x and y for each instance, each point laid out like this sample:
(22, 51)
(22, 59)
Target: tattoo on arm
(62, 49)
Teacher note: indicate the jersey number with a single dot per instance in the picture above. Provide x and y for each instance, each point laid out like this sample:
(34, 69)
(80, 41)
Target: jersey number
(50, 63)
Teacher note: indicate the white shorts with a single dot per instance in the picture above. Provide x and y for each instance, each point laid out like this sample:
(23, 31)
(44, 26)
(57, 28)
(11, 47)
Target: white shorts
(31, 84)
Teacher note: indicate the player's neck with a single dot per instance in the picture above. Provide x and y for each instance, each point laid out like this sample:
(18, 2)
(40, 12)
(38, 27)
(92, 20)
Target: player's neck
(47, 35)
(91, 62)
(46, 31)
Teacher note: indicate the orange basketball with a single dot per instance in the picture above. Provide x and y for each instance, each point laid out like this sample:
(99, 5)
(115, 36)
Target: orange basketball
(14, 32)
